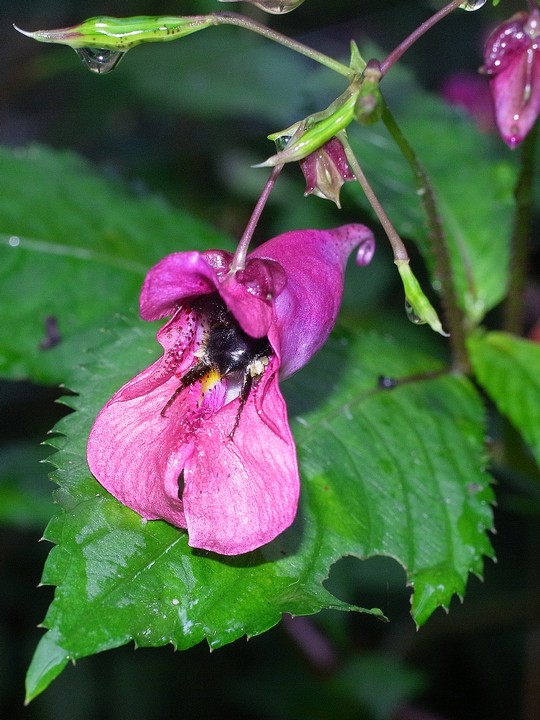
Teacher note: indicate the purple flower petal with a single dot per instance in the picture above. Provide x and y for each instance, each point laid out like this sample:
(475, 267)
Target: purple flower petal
(306, 310)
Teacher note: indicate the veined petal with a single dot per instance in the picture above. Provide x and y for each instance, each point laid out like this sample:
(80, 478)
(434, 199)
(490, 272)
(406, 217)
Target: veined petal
(241, 492)
(138, 455)
(248, 293)
(180, 339)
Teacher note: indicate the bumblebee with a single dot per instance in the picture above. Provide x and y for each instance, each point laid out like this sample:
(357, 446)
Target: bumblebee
(226, 352)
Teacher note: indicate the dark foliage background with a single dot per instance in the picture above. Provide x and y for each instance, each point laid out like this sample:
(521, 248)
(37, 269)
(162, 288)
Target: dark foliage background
(151, 124)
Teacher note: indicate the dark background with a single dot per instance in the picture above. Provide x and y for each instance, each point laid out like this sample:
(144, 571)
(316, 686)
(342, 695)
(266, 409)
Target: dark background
(481, 660)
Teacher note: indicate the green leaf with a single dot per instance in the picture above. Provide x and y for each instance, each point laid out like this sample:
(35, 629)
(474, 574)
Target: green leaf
(508, 368)
(408, 479)
(47, 663)
(74, 247)
(473, 187)
(397, 473)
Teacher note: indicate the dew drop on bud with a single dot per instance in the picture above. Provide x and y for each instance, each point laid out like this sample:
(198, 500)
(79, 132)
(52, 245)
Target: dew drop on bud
(472, 5)
(281, 142)
(412, 315)
(99, 60)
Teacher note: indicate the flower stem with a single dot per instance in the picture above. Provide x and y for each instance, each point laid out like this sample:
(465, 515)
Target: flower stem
(513, 306)
(226, 18)
(400, 251)
(239, 259)
(395, 55)
(443, 266)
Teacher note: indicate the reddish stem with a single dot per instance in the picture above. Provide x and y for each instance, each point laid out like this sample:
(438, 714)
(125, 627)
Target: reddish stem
(239, 259)
(395, 55)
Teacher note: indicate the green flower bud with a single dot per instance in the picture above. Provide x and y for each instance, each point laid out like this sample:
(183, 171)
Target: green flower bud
(306, 136)
(122, 33)
(369, 106)
(101, 42)
(418, 308)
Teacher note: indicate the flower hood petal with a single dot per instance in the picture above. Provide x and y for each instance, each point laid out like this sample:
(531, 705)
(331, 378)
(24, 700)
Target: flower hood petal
(314, 264)
(181, 276)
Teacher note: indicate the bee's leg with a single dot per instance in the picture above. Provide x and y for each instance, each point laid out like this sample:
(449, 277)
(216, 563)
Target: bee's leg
(245, 389)
(252, 373)
(193, 374)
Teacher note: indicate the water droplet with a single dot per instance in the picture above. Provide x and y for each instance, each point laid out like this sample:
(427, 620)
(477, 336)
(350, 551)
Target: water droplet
(472, 5)
(277, 7)
(281, 142)
(99, 60)
(385, 382)
(366, 250)
(412, 315)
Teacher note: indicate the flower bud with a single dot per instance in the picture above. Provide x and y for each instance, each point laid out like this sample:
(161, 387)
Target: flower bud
(369, 104)
(418, 308)
(305, 137)
(326, 170)
(512, 64)
(101, 42)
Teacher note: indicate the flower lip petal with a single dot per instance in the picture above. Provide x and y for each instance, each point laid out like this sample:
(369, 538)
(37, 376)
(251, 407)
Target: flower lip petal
(129, 452)
(241, 493)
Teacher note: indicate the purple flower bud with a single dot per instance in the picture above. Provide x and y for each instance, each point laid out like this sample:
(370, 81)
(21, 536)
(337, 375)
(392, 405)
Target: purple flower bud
(512, 64)
(326, 170)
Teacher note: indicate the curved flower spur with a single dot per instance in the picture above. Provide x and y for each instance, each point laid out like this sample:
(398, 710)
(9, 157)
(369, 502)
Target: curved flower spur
(201, 437)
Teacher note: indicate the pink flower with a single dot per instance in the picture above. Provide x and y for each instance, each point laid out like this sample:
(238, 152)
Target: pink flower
(512, 63)
(326, 170)
(470, 91)
(201, 438)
